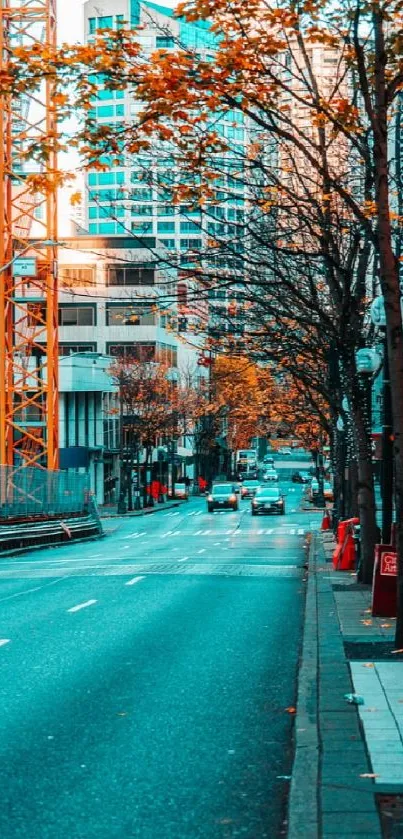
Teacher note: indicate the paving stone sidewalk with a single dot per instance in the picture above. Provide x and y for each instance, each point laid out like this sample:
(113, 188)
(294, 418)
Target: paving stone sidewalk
(340, 747)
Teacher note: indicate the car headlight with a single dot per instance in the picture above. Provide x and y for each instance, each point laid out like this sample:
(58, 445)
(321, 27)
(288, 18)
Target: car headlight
(232, 498)
(210, 498)
(254, 502)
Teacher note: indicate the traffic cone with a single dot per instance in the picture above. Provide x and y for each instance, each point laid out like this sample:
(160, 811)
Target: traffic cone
(326, 522)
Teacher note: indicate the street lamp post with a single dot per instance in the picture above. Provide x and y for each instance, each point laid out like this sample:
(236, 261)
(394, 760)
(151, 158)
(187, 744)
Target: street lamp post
(378, 317)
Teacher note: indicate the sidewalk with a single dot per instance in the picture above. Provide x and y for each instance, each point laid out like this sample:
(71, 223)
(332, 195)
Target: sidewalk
(349, 758)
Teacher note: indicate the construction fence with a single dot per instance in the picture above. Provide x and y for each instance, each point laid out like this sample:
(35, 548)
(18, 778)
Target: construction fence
(32, 492)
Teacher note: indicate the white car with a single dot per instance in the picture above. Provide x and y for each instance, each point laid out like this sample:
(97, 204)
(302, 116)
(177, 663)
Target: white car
(285, 451)
(270, 476)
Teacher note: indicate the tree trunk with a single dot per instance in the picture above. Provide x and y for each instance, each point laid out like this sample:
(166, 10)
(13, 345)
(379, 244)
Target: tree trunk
(389, 274)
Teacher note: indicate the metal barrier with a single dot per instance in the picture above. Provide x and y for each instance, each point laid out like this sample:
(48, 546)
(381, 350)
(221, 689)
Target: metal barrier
(32, 492)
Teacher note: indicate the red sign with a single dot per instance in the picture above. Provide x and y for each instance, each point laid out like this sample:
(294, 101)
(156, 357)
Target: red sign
(388, 564)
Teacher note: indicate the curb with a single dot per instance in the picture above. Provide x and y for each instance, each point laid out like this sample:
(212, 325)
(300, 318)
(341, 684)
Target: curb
(145, 512)
(303, 809)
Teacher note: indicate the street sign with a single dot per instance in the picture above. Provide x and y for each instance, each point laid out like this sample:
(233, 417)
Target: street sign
(388, 564)
(24, 266)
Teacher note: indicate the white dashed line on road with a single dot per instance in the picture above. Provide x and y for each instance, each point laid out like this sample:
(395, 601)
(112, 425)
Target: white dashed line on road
(134, 580)
(82, 606)
(202, 551)
(183, 559)
(4, 641)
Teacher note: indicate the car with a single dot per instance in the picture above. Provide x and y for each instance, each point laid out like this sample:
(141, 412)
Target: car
(268, 500)
(249, 488)
(270, 476)
(268, 460)
(285, 451)
(327, 490)
(222, 496)
(300, 477)
(181, 491)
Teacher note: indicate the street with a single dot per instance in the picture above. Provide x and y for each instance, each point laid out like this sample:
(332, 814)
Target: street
(145, 678)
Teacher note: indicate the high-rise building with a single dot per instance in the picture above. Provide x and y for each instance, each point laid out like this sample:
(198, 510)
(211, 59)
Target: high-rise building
(136, 197)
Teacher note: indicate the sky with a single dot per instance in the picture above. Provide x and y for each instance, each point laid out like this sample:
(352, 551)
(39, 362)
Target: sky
(70, 20)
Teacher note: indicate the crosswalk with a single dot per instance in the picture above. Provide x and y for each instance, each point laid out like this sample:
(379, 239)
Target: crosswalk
(220, 569)
(233, 531)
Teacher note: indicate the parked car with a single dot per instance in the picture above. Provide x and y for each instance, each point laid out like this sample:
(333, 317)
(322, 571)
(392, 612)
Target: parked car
(314, 490)
(268, 500)
(249, 488)
(300, 477)
(285, 451)
(270, 476)
(181, 491)
(222, 496)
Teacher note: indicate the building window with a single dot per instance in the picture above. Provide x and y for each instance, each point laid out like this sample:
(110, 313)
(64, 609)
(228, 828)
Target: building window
(190, 244)
(76, 275)
(146, 210)
(166, 210)
(189, 227)
(130, 315)
(169, 244)
(164, 42)
(105, 22)
(128, 275)
(167, 354)
(69, 349)
(133, 351)
(166, 227)
(92, 25)
(139, 228)
(77, 315)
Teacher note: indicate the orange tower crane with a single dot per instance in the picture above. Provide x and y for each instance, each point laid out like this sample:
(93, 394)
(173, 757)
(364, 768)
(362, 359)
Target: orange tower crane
(28, 252)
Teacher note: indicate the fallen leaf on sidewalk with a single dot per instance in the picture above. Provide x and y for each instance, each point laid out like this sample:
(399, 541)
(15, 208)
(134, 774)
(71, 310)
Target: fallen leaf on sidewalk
(386, 625)
(284, 777)
(369, 775)
(366, 623)
(291, 710)
(369, 664)
(395, 652)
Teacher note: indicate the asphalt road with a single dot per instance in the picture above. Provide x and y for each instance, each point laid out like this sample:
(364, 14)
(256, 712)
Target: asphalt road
(144, 678)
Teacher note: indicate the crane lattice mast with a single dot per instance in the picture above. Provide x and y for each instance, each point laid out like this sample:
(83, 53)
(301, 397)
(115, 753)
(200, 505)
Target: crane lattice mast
(28, 283)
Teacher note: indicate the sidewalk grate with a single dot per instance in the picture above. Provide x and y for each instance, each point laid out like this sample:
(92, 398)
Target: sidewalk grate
(391, 813)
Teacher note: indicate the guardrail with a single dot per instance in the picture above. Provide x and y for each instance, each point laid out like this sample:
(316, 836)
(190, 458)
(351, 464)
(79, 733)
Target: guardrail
(23, 536)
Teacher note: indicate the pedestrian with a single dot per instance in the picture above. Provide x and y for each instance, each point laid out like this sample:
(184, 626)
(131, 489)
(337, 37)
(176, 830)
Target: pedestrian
(202, 484)
(187, 482)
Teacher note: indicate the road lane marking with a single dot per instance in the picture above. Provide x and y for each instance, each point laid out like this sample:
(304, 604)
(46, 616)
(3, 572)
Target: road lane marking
(134, 581)
(198, 532)
(176, 532)
(30, 590)
(4, 641)
(82, 606)
(202, 551)
(183, 559)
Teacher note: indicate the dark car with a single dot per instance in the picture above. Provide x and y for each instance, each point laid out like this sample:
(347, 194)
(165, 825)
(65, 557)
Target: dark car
(300, 477)
(268, 500)
(249, 488)
(222, 496)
